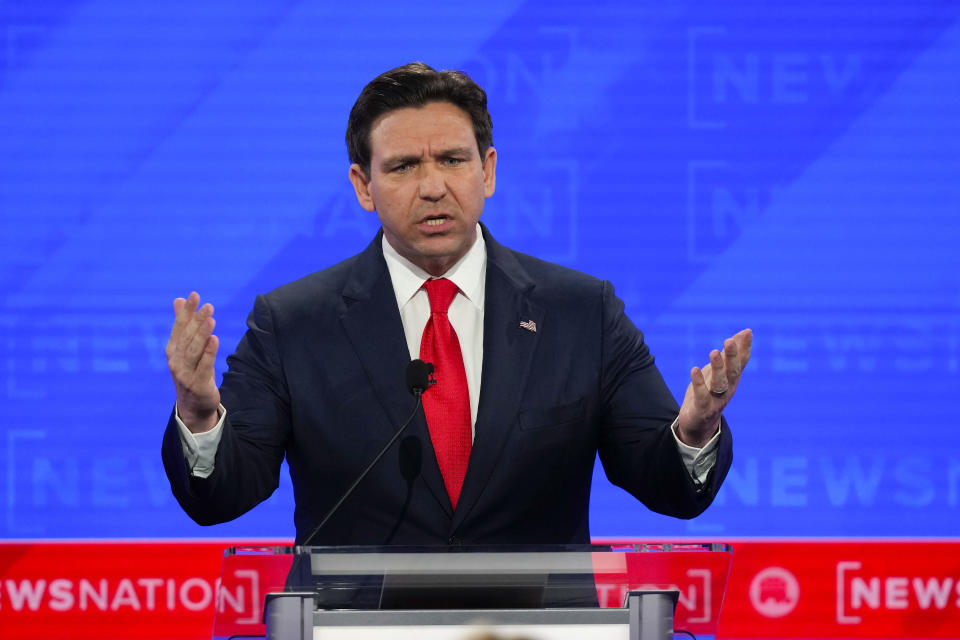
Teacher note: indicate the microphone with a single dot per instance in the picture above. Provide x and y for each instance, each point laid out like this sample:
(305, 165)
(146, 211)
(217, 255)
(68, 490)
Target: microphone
(418, 376)
(418, 380)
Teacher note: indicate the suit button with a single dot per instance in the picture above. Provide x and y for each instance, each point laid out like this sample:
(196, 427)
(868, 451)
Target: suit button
(454, 541)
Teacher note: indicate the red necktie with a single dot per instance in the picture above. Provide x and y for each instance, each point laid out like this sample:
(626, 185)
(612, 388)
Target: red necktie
(447, 403)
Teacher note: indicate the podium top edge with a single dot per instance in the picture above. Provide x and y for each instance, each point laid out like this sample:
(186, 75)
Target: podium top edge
(657, 547)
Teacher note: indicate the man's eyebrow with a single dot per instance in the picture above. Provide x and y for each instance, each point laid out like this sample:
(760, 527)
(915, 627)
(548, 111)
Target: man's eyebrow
(393, 161)
(455, 151)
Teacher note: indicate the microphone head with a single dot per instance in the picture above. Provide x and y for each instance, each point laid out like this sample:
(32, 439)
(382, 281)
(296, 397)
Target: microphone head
(418, 376)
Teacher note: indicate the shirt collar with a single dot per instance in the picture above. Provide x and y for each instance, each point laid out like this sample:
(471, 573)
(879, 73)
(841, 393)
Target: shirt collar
(467, 273)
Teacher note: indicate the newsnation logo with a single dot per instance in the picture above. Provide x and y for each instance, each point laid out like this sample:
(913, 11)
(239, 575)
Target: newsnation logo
(772, 589)
(140, 594)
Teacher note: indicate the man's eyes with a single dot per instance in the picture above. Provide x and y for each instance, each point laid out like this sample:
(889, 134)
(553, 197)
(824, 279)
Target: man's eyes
(449, 162)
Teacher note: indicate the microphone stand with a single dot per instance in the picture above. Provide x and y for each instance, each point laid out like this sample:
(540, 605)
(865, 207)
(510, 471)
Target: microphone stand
(418, 380)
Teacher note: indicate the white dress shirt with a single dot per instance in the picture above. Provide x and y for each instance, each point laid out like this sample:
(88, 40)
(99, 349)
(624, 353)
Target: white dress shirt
(465, 312)
(466, 317)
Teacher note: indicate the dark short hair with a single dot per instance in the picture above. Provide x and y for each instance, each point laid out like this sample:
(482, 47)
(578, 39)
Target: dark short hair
(414, 85)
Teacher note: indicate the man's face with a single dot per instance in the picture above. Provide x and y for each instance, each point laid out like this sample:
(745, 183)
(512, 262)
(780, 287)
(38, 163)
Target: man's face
(427, 183)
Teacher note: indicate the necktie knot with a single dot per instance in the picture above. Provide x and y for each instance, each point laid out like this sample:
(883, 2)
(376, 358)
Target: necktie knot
(441, 293)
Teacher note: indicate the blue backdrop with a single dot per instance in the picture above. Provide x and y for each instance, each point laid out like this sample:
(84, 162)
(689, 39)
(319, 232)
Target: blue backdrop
(786, 166)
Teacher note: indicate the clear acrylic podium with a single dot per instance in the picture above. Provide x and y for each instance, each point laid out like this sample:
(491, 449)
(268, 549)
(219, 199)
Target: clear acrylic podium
(623, 592)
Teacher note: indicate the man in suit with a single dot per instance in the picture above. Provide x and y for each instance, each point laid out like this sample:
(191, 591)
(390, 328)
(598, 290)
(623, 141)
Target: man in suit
(538, 368)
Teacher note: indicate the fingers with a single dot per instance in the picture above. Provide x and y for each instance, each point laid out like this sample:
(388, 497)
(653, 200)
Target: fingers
(731, 358)
(744, 343)
(718, 373)
(701, 394)
(736, 353)
(191, 332)
(208, 357)
(189, 318)
(189, 306)
(194, 345)
(701, 408)
(191, 352)
(183, 309)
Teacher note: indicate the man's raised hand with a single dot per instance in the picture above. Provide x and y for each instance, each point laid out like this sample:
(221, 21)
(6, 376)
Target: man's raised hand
(711, 389)
(191, 352)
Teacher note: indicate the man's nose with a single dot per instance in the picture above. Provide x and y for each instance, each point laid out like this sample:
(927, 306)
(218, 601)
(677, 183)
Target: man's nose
(433, 185)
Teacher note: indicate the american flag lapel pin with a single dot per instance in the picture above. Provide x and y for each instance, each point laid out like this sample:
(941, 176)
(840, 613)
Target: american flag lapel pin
(529, 325)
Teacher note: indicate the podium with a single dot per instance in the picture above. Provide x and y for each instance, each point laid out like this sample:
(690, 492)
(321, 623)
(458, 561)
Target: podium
(622, 592)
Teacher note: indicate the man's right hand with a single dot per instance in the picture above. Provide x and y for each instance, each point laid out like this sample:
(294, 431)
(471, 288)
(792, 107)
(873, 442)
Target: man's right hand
(191, 352)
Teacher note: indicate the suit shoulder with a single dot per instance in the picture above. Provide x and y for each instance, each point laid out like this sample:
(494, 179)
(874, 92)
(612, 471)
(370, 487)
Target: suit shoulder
(554, 280)
(317, 288)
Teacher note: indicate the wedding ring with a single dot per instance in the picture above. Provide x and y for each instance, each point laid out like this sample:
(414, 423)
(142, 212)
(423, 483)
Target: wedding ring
(720, 393)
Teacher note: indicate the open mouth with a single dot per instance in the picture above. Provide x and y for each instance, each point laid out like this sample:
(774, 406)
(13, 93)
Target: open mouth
(435, 221)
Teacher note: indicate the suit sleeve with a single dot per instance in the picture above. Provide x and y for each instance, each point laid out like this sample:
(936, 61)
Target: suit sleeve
(255, 431)
(636, 446)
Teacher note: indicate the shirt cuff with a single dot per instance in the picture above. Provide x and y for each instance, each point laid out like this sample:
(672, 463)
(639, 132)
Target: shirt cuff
(200, 449)
(698, 461)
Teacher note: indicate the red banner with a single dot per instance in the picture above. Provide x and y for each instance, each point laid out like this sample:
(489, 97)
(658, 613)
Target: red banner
(115, 590)
(848, 589)
(776, 589)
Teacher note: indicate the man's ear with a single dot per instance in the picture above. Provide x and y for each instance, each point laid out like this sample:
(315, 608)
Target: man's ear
(489, 172)
(361, 185)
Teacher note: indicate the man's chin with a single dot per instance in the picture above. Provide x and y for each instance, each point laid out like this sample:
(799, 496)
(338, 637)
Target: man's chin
(439, 256)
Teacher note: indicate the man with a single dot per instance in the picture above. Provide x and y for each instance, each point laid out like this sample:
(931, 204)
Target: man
(538, 368)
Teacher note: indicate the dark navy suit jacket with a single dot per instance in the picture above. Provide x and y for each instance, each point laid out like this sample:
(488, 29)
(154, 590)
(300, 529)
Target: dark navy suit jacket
(319, 378)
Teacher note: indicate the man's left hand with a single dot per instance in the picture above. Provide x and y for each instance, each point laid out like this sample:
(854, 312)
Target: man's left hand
(711, 389)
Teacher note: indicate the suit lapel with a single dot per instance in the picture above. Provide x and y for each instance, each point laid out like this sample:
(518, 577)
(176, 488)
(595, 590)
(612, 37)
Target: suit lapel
(507, 352)
(372, 323)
